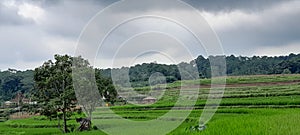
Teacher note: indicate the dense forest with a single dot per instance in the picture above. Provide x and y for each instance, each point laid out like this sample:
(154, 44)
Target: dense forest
(256, 65)
(13, 81)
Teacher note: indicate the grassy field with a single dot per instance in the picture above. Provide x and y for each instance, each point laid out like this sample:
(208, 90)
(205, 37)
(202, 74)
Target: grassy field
(256, 105)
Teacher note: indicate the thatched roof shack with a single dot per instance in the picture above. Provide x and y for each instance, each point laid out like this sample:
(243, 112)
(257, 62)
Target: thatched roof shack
(149, 100)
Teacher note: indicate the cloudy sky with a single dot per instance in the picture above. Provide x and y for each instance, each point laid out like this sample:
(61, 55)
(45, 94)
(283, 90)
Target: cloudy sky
(32, 31)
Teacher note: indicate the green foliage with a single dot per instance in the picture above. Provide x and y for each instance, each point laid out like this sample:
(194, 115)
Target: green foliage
(85, 85)
(55, 90)
(13, 82)
(106, 87)
(235, 66)
(286, 71)
(54, 87)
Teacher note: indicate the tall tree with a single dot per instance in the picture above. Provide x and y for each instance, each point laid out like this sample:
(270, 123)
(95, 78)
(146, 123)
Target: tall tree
(54, 86)
(85, 85)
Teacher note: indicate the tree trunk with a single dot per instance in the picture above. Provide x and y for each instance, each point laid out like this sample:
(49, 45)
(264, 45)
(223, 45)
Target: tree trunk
(64, 117)
(90, 114)
(58, 124)
(65, 121)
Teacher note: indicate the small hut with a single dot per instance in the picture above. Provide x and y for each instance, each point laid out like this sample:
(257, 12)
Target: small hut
(149, 100)
(8, 103)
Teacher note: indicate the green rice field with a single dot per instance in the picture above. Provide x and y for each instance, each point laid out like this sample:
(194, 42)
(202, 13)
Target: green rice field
(251, 105)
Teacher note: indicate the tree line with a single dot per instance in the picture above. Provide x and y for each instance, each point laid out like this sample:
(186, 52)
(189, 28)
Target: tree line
(13, 81)
(235, 66)
(52, 84)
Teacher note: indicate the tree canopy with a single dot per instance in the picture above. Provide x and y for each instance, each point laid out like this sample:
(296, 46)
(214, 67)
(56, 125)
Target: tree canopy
(13, 81)
(235, 65)
(54, 87)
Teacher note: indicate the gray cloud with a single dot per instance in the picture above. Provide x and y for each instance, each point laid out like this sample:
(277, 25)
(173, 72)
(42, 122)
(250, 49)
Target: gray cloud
(230, 5)
(9, 16)
(69, 17)
(209, 5)
(276, 26)
(244, 27)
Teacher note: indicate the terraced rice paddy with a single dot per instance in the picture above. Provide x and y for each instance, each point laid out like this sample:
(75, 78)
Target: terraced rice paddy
(254, 105)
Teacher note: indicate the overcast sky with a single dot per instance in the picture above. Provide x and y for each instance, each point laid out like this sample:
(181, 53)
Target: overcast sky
(32, 31)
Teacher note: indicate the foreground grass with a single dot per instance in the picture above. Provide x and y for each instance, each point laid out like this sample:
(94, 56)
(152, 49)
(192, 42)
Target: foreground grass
(234, 121)
(249, 121)
(6, 130)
